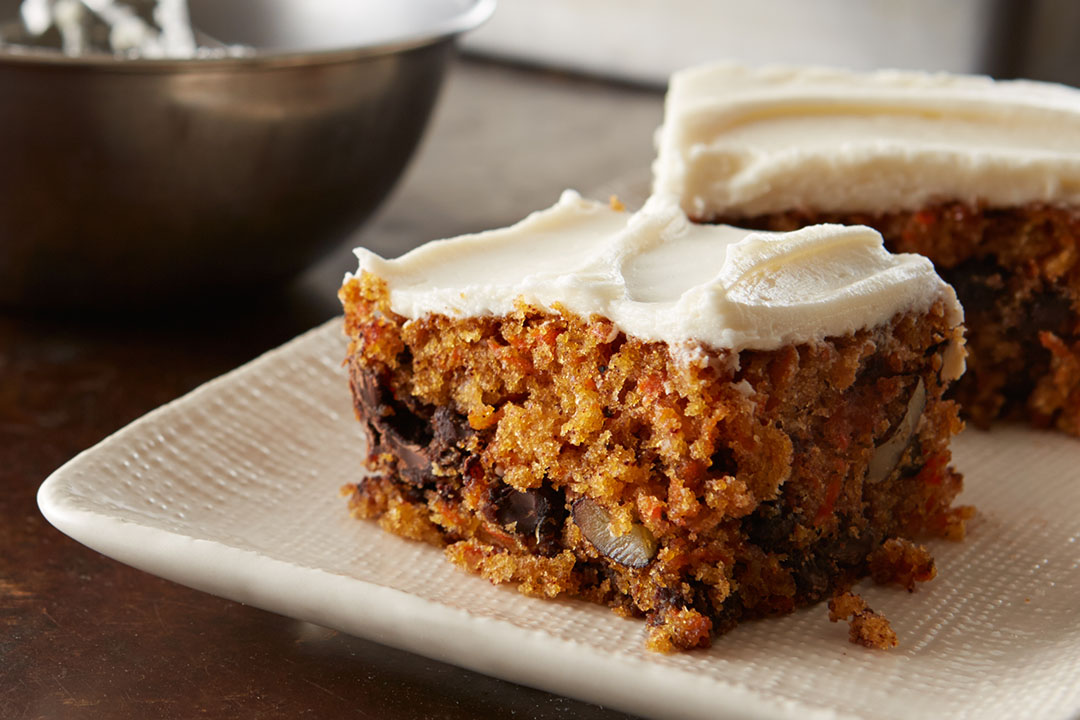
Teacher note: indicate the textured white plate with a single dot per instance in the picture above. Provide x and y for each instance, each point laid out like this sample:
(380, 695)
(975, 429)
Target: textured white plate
(233, 489)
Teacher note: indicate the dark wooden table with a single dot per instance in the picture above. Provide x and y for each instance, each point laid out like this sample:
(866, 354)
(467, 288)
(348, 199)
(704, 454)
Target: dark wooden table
(84, 636)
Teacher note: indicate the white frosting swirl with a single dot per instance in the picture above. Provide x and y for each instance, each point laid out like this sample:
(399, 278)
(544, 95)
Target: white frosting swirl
(742, 141)
(658, 276)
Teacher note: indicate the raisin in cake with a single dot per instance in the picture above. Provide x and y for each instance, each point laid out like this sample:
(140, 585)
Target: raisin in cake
(982, 177)
(693, 423)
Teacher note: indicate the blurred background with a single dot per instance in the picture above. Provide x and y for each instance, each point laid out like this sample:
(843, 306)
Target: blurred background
(645, 40)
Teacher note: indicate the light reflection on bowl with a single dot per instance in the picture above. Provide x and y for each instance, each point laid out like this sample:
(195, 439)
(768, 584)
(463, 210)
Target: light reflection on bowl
(147, 182)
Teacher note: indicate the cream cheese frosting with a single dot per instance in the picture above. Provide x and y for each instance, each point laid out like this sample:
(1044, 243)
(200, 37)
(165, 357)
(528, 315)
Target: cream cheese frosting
(739, 141)
(659, 277)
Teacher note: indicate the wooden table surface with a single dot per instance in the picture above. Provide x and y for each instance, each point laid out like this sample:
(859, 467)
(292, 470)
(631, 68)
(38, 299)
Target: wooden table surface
(84, 636)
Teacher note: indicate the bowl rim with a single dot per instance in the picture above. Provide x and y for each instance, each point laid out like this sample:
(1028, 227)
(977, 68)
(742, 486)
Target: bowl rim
(470, 18)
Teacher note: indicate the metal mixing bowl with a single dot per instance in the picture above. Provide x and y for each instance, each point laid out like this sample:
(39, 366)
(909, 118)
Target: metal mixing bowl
(155, 181)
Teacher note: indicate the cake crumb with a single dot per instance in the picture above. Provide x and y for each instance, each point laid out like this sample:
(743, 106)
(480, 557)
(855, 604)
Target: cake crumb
(901, 561)
(866, 627)
(616, 204)
(677, 629)
(844, 605)
(535, 576)
(954, 522)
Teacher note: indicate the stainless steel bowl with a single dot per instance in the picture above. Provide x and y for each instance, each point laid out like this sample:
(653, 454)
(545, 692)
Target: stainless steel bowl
(154, 181)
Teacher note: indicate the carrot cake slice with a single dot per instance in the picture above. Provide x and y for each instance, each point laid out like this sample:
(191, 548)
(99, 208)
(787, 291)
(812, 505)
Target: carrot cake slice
(980, 176)
(697, 424)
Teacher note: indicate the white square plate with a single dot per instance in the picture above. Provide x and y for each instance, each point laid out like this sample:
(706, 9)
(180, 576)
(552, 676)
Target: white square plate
(233, 489)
